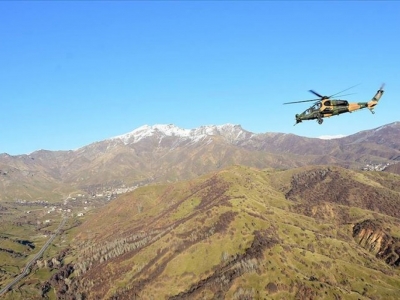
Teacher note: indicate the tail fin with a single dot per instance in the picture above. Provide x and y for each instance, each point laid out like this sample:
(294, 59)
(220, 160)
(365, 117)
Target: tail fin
(375, 99)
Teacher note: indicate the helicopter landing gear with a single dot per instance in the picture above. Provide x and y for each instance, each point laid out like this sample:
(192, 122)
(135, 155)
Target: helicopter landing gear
(319, 118)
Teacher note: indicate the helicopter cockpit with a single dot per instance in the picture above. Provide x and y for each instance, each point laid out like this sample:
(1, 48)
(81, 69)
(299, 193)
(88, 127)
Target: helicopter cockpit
(313, 108)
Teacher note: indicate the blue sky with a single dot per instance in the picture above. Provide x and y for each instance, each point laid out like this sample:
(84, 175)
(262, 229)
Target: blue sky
(72, 73)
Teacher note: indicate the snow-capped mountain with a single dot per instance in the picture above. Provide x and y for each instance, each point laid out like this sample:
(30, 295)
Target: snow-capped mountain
(232, 133)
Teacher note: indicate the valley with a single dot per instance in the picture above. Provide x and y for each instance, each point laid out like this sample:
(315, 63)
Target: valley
(26, 227)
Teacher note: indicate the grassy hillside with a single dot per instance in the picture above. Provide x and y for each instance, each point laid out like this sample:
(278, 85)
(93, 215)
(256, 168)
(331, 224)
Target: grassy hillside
(242, 233)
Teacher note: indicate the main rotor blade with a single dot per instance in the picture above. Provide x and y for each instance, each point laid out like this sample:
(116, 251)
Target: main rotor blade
(382, 86)
(337, 96)
(316, 94)
(344, 90)
(301, 101)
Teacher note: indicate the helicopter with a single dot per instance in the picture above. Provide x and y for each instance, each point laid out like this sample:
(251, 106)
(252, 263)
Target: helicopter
(325, 107)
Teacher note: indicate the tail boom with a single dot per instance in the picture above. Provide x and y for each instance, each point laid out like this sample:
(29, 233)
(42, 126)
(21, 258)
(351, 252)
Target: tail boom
(374, 101)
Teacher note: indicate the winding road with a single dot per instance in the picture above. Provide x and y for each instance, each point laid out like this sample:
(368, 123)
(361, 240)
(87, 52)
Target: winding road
(32, 261)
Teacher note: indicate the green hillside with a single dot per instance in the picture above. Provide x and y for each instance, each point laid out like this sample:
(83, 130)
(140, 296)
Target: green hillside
(242, 233)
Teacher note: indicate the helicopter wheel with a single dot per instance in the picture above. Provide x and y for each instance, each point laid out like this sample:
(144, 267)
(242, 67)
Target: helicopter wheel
(320, 121)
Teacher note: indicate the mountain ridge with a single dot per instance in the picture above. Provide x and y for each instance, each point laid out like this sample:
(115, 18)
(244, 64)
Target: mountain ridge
(226, 130)
(204, 130)
(169, 153)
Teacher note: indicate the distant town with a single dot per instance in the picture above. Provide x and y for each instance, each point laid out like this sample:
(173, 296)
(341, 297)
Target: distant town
(376, 167)
(76, 205)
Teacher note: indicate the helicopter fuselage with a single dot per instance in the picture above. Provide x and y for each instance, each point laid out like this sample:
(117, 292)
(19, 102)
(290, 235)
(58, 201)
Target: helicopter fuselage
(326, 108)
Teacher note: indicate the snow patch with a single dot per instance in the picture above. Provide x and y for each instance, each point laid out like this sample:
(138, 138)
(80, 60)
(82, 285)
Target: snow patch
(331, 137)
(391, 125)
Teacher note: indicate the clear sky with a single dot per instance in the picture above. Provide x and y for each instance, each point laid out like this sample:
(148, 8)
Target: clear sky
(76, 72)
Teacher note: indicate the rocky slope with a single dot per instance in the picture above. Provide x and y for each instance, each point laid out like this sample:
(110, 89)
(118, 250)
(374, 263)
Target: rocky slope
(372, 236)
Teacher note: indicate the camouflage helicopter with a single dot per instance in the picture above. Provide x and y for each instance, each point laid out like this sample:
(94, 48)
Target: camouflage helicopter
(325, 107)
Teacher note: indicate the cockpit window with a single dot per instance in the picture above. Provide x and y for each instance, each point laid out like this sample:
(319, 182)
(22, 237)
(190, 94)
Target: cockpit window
(313, 108)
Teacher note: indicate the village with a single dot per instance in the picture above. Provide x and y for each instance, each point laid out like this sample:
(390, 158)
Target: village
(376, 167)
(44, 212)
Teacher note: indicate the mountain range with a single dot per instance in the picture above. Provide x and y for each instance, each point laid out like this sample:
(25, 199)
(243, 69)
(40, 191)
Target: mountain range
(166, 153)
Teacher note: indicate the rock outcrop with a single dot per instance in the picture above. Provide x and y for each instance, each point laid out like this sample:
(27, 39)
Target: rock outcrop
(371, 235)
